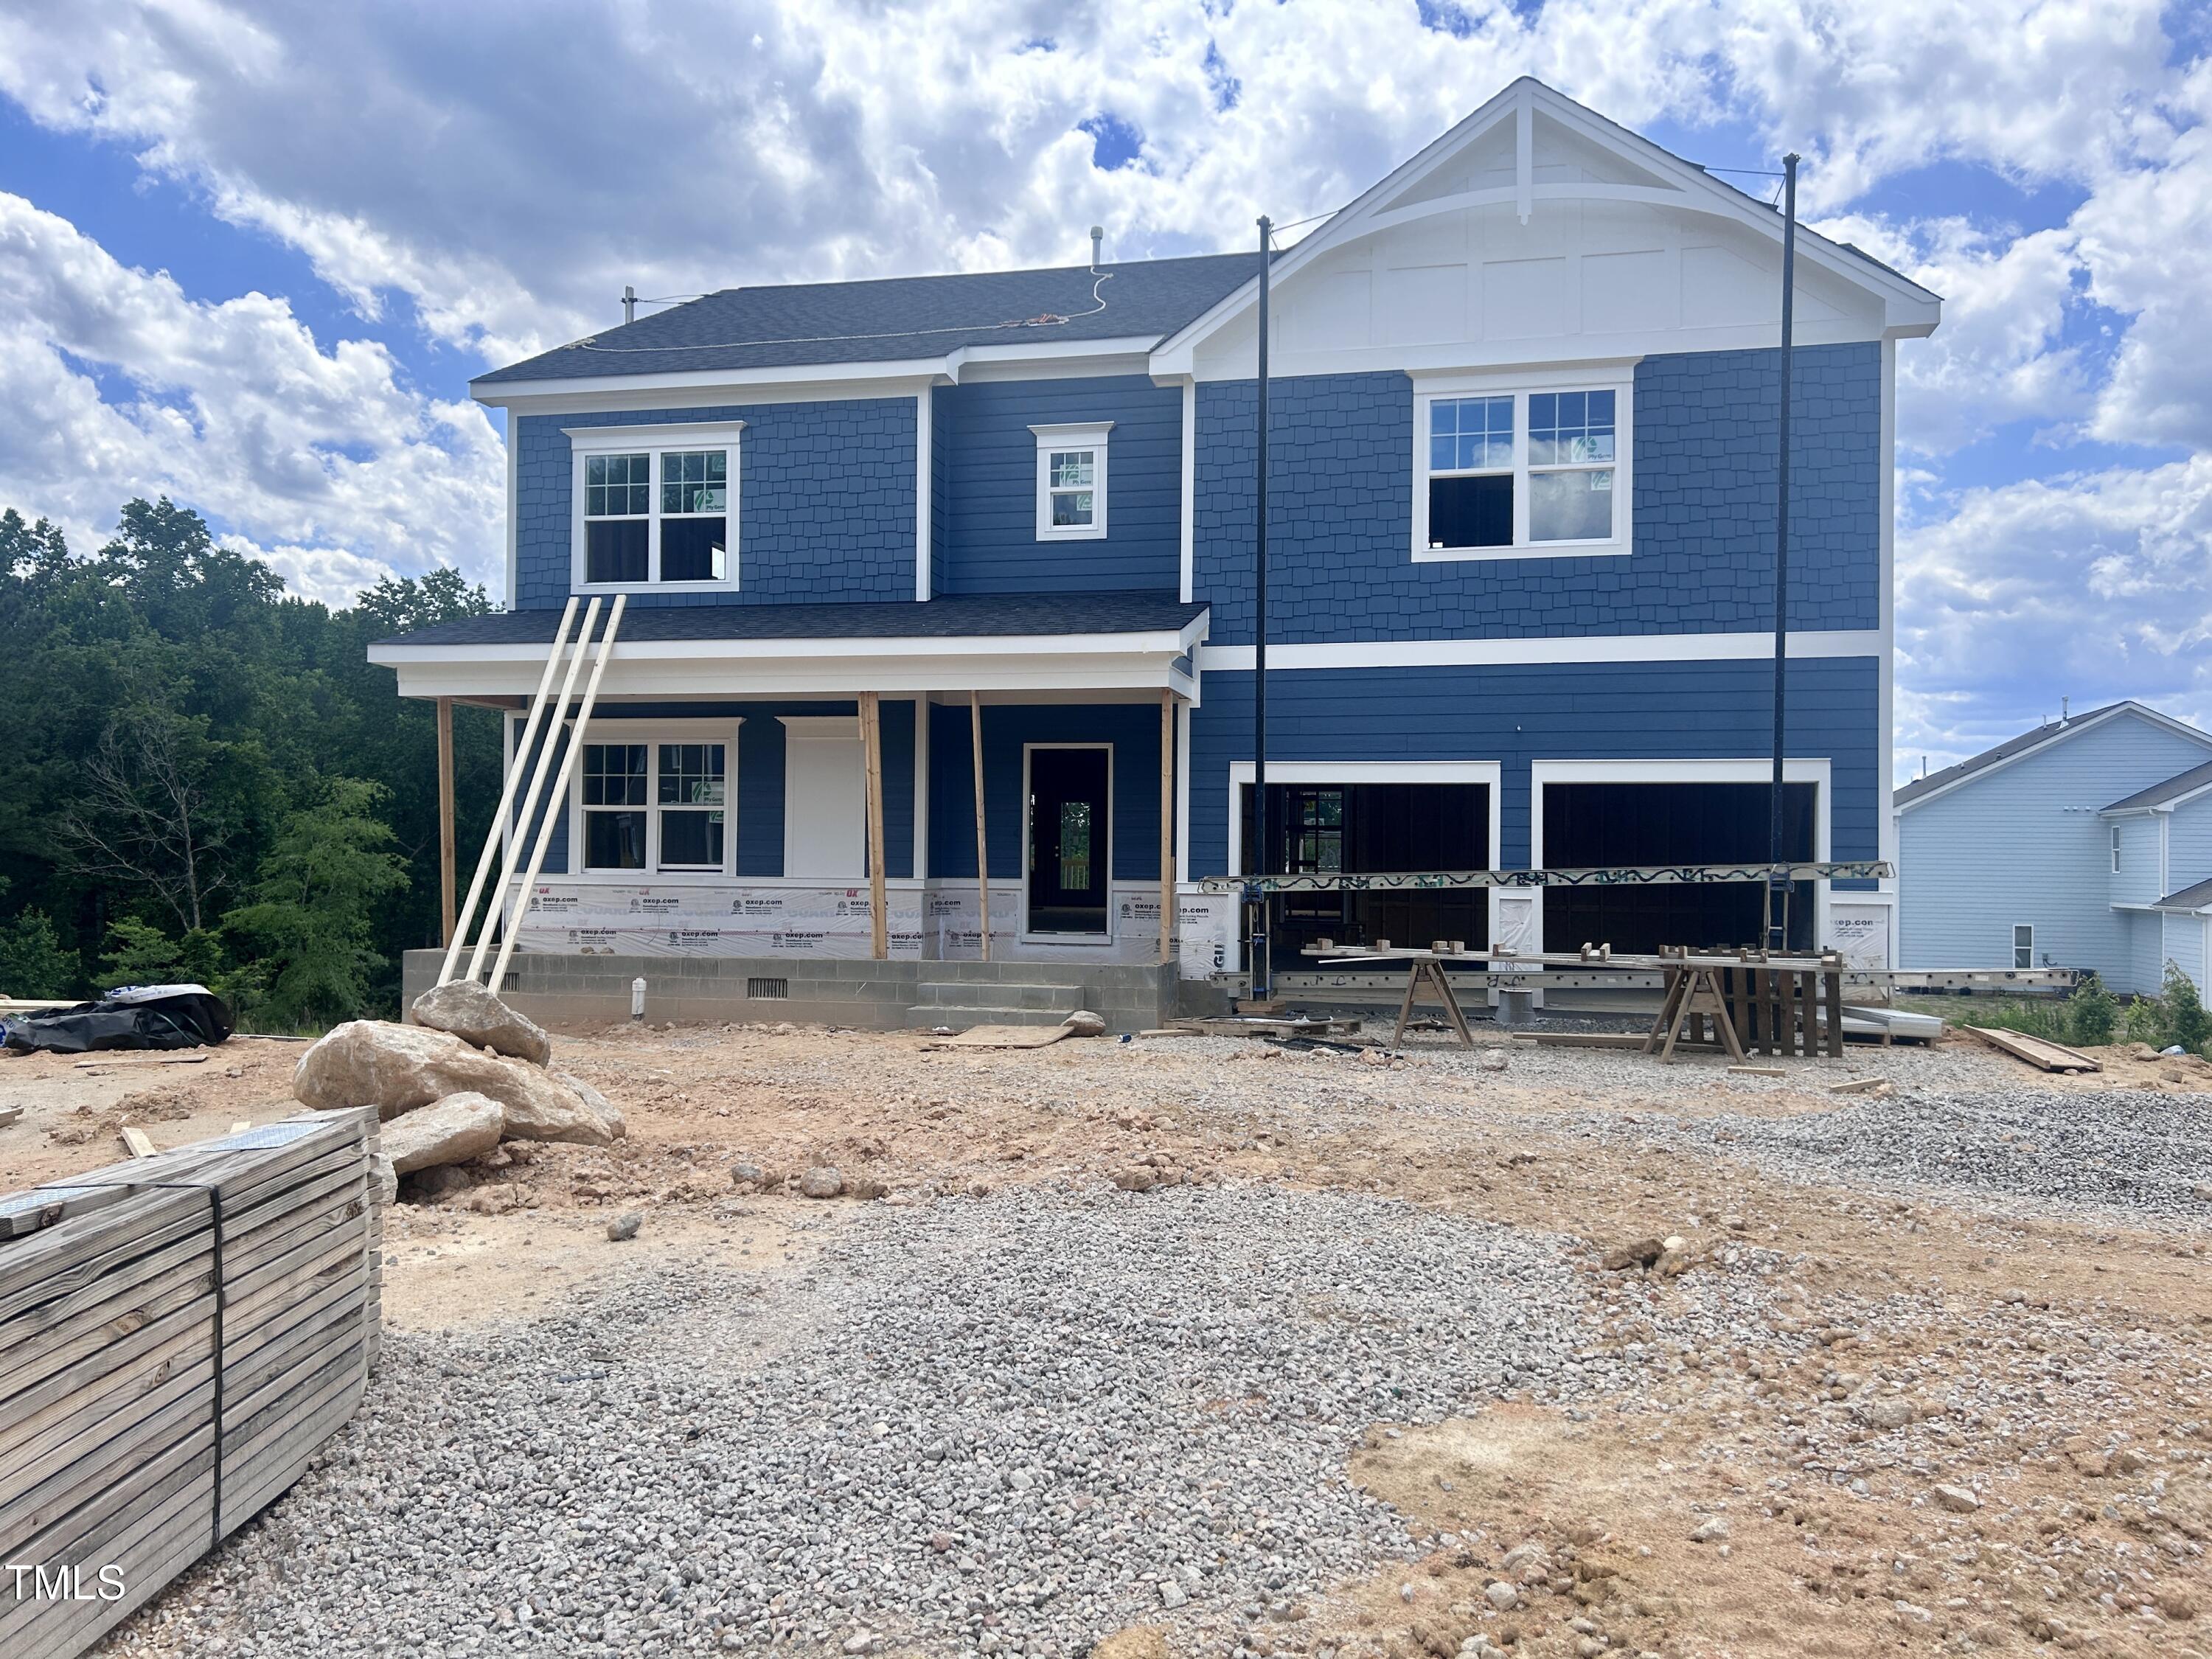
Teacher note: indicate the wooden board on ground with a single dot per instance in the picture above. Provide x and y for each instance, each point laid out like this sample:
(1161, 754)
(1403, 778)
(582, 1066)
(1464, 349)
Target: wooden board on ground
(1239, 1025)
(101, 1062)
(1582, 1039)
(1003, 1036)
(2038, 1052)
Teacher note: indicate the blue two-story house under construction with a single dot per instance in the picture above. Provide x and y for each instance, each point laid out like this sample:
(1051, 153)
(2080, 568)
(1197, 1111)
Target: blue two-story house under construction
(1522, 478)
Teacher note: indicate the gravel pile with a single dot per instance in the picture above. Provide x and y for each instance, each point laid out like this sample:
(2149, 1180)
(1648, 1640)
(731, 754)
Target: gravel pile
(1007, 1425)
(2144, 1154)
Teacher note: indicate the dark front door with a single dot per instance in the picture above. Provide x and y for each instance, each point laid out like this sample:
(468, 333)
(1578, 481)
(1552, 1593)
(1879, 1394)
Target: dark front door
(1067, 840)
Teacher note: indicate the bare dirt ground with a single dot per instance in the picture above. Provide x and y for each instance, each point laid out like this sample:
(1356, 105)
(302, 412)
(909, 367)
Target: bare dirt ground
(1948, 1417)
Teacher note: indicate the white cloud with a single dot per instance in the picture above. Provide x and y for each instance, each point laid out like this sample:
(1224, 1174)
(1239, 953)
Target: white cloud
(114, 384)
(495, 180)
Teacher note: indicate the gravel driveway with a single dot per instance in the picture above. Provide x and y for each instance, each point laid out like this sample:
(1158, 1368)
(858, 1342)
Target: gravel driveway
(1017, 1424)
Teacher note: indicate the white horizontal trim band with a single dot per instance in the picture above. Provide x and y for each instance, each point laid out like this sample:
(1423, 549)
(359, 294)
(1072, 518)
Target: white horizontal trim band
(1549, 651)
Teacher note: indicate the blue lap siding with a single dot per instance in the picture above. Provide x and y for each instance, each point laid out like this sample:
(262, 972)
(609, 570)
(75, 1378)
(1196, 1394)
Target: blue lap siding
(1134, 729)
(1514, 715)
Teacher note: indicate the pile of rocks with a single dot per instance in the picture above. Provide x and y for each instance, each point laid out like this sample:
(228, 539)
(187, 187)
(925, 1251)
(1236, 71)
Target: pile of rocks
(469, 1072)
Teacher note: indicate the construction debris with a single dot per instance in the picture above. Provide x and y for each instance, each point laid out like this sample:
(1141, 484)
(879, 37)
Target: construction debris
(2039, 1051)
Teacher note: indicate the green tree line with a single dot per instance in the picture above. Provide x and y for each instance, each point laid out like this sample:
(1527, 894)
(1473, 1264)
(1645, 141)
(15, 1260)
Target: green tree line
(203, 777)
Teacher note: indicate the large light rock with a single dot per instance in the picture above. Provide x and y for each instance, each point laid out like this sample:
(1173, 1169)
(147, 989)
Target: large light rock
(451, 1130)
(609, 1115)
(401, 1068)
(475, 1015)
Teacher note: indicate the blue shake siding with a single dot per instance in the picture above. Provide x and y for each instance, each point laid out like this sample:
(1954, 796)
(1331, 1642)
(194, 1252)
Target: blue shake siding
(826, 501)
(1341, 511)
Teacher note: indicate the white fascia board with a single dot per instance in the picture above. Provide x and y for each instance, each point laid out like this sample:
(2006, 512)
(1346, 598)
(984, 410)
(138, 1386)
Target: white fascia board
(695, 668)
(1908, 308)
(1126, 355)
(565, 392)
(814, 379)
(1547, 651)
(2073, 729)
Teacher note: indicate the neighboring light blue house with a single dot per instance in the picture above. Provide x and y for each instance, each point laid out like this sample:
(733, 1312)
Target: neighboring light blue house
(1522, 504)
(2084, 843)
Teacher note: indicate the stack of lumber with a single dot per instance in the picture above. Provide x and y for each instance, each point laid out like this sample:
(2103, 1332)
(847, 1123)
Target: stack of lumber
(232, 1282)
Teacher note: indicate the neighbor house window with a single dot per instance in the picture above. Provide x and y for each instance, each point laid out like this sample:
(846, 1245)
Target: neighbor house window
(1508, 473)
(654, 805)
(656, 506)
(2116, 849)
(1071, 481)
(2023, 945)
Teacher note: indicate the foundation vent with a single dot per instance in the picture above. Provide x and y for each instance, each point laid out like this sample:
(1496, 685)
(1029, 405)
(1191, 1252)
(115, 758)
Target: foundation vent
(767, 989)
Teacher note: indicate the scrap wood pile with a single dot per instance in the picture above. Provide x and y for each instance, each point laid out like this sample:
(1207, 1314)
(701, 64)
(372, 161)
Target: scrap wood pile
(179, 1335)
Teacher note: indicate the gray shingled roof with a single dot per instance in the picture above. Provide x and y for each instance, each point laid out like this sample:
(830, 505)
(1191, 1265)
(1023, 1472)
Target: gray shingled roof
(2188, 898)
(898, 318)
(994, 615)
(2005, 750)
(2179, 784)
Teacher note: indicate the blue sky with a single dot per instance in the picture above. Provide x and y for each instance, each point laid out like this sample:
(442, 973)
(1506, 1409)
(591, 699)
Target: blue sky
(256, 251)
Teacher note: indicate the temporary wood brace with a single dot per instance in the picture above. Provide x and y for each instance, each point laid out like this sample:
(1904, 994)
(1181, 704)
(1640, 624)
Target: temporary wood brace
(1427, 974)
(495, 839)
(519, 900)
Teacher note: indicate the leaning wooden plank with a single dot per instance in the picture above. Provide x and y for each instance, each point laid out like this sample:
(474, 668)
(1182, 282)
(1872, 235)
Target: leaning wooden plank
(2036, 1051)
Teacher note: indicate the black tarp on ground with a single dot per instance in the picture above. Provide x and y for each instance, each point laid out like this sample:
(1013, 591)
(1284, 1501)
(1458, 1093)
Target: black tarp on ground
(129, 1017)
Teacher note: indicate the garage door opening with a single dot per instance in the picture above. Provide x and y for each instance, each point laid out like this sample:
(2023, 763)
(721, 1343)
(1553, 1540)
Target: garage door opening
(1372, 829)
(1590, 825)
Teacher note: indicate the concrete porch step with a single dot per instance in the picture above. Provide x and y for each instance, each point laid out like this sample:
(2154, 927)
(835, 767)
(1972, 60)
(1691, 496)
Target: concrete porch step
(929, 1014)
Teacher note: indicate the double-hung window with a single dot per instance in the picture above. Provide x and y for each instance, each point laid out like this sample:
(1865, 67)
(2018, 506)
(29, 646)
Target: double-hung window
(655, 806)
(656, 507)
(1071, 481)
(1509, 468)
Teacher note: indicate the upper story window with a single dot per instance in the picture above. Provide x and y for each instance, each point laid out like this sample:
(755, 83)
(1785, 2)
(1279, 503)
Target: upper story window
(1071, 481)
(656, 507)
(654, 806)
(2116, 849)
(1509, 468)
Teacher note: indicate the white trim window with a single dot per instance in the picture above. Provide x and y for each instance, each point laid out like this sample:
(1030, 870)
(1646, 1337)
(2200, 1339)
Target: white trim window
(1504, 469)
(2116, 849)
(656, 507)
(2023, 944)
(1071, 481)
(648, 803)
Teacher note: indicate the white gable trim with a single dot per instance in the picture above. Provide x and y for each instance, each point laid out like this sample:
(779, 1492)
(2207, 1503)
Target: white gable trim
(2090, 723)
(1908, 308)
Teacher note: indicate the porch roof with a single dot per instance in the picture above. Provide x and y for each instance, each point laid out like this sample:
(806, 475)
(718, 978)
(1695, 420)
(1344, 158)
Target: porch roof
(981, 615)
(1054, 643)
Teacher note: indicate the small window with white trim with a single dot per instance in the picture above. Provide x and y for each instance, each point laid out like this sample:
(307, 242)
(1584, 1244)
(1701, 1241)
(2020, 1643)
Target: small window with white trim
(1508, 472)
(1071, 481)
(2023, 944)
(2116, 849)
(656, 507)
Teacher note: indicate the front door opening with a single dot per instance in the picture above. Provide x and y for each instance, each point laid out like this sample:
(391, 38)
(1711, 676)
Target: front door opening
(1068, 851)
(1372, 829)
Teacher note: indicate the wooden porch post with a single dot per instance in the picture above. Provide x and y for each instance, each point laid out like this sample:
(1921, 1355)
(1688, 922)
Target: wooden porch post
(448, 857)
(1167, 827)
(982, 849)
(872, 753)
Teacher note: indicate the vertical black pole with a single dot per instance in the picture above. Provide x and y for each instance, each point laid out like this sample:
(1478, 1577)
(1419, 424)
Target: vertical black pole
(1778, 884)
(1263, 859)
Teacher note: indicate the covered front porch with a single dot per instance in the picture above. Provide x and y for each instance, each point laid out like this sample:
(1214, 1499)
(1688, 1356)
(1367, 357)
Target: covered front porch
(989, 779)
